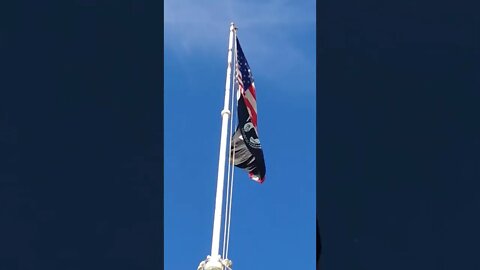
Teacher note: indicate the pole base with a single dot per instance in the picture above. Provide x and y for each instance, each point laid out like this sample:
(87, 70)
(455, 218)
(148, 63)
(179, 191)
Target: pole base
(215, 263)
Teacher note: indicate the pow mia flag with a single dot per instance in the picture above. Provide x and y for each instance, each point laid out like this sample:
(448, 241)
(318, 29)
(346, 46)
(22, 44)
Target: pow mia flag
(246, 149)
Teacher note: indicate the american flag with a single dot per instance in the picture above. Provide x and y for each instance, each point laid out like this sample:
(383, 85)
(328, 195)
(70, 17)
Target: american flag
(246, 85)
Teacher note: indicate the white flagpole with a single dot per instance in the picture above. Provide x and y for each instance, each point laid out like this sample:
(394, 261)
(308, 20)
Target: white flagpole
(214, 260)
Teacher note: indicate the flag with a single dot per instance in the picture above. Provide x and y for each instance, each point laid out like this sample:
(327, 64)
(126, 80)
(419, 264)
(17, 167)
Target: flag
(246, 150)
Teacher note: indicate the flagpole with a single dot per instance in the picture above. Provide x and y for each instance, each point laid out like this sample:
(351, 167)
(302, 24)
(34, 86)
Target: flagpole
(214, 260)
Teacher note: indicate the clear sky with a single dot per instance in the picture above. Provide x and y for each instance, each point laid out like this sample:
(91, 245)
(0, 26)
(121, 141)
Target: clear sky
(273, 224)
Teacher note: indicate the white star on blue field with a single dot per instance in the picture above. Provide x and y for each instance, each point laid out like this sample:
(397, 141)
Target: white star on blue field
(273, 224)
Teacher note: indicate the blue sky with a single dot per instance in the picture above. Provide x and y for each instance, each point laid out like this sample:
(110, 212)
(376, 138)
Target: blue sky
(273, 224)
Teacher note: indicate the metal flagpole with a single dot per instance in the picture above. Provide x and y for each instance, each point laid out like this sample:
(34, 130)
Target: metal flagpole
(214, 261)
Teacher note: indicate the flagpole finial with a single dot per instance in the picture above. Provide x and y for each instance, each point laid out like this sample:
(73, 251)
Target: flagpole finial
(233, 27)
